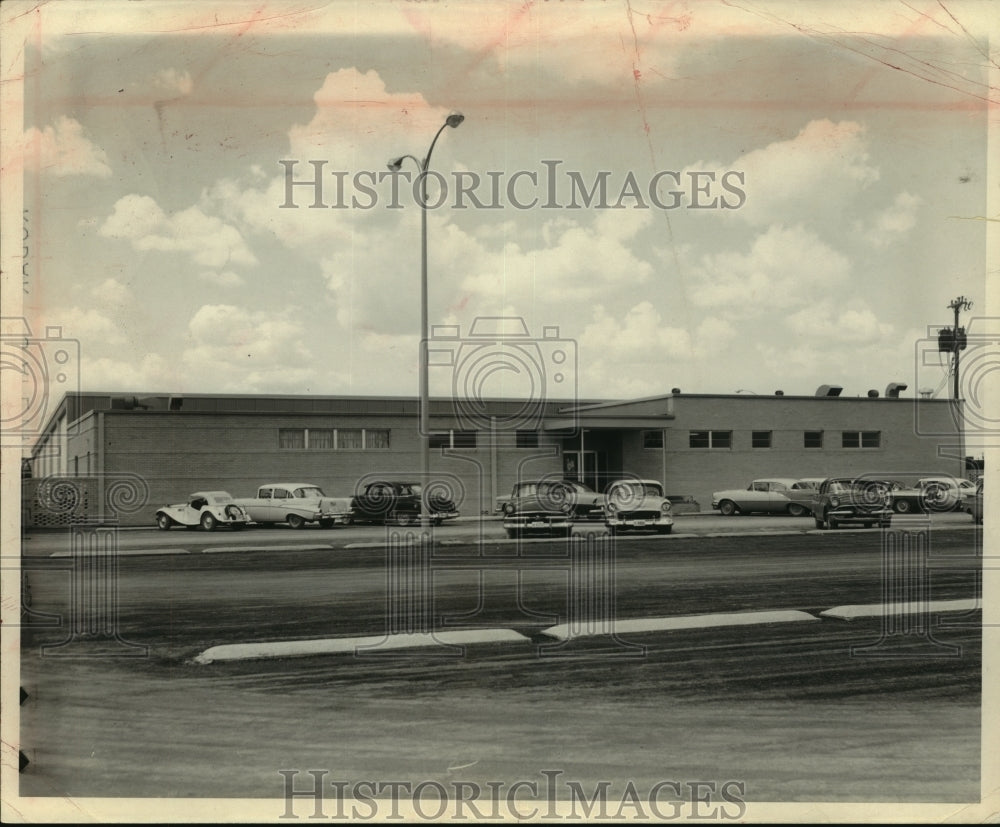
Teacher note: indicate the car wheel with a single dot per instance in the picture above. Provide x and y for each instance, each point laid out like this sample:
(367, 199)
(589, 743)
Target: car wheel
(511, 533)
(163, 522)
(404, 518)
(727, 508)
(208, 521)
(834, 525)
(327, 523)
(664, 529)
(238, 526)
(819, 523)
(902, 506)
(295, 521)
(796, 510)
(437, 521)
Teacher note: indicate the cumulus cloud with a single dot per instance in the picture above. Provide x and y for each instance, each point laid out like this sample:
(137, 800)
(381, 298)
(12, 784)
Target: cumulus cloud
(241, 350)
(892, 223)
(206, 238)
(824, 166)
(782, 269)
(63, 150)
(173, 82)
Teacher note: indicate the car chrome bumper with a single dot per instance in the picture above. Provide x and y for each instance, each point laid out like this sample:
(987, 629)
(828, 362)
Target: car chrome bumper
(539, 521)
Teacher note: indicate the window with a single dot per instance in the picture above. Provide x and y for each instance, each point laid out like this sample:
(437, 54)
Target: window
(454, 439)
(463, 439)
(526, 439)
(377, 440)
(349, 439)
(760, 439)
(291, 438)
(812, 439)
(320, 439)
(861, 439)
(711, 439)
(653, 439)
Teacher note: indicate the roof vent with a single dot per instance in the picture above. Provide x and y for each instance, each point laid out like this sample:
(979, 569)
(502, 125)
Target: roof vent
(828, 390)
(893, 388)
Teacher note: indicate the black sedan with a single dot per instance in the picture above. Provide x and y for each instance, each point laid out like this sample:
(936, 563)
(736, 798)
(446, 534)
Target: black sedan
(392, 502)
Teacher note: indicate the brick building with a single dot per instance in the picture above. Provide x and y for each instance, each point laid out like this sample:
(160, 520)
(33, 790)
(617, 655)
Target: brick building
(694, 443)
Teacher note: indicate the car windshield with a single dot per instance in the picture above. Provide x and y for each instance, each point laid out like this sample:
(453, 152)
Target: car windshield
(311, 491)
(635, 490)
(220, 498)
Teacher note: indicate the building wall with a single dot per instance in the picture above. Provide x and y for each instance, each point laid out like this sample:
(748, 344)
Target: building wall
(178, 453)
(700, 471)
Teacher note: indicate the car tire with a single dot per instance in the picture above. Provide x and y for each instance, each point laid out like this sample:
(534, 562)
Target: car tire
(437, 521)
(511, 533)
(208, 522)
(295, 521)
(403, 518)
(834, 525)
(238, 526)
(163, 522)
(664, 529)
(727, 508)
(796, 510)
(902, 506)
(819, 523)
(327, 523)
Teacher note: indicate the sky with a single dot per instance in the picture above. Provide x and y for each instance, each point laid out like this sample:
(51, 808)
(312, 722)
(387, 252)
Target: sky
(793, 193)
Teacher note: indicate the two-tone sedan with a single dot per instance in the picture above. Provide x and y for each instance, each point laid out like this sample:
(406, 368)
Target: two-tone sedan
(549, 505)
(843, 500)
(771, 495)
(637, 505)
(296, 503)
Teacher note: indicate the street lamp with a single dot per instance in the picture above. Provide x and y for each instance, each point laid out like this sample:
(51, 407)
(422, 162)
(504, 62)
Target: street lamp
(453, 120)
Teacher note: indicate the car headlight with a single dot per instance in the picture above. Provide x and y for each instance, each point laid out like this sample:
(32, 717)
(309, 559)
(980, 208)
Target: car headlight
(508, 508)
(665, 506)
(834, 501)
(612, 509)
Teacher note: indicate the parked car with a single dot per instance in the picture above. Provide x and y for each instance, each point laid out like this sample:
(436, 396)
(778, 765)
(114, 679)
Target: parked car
(933, 494)
(773, 495)
(861, 500)
(209, 509)
(974, 503)
(549, 505)
(296, 503)
(637, 504)
(394, 502)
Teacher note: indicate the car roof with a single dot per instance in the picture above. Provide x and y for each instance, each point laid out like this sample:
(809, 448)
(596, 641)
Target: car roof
(786, 480)
(645, 482)
(288, 485)
(210, 494)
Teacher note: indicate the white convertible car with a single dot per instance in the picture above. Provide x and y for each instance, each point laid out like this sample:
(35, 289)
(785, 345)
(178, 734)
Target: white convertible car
(208, 509)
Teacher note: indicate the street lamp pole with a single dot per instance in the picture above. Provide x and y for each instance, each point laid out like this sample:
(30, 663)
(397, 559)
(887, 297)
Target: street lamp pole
(453, 120)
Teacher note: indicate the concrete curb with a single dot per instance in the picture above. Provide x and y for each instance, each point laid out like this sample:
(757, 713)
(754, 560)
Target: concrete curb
(880, 609)
(669, 624)
(303, 547)
(352, 645)
(138, 552)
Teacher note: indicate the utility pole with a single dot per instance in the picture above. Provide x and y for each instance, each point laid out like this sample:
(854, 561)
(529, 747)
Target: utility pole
(958, 339)
(954, 340)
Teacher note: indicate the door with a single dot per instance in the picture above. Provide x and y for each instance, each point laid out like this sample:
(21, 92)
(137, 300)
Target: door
(583, 466)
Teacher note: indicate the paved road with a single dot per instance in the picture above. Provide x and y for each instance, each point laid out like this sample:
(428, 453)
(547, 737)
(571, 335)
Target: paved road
(790, 711)
(149, 540)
